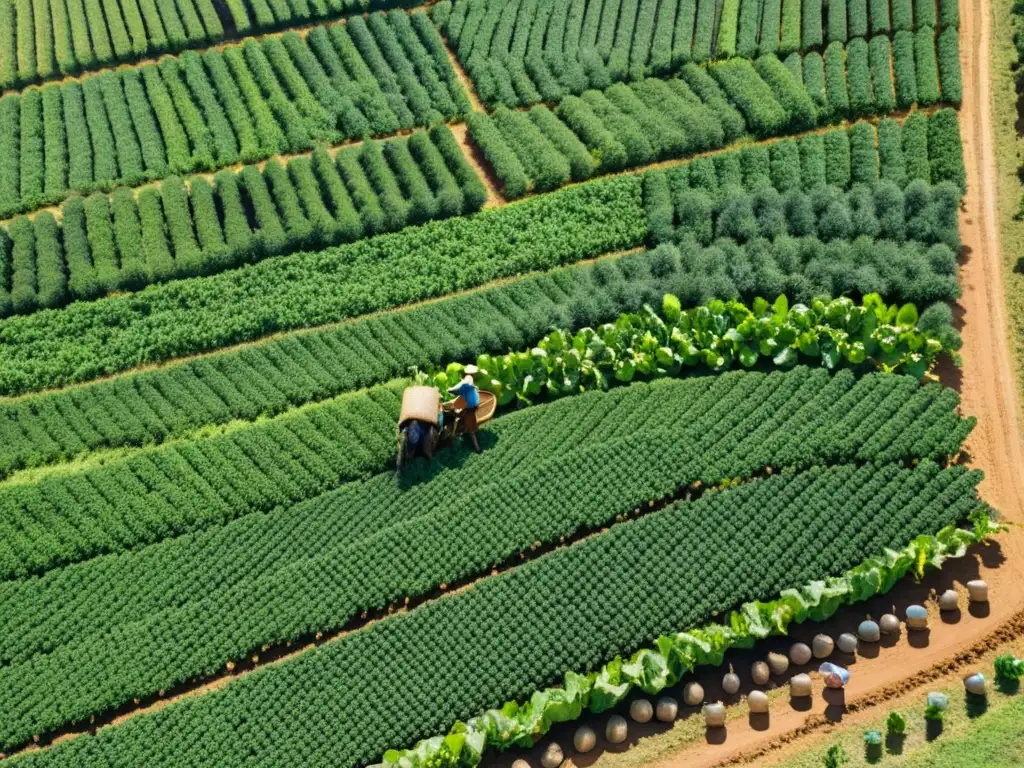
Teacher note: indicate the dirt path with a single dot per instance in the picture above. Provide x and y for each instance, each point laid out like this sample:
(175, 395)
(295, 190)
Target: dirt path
(988, 388)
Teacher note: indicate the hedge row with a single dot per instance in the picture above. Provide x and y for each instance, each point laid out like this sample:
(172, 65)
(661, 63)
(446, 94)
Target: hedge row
(127, 242)
(632, 125)
(87, 339)
(370, 76)
(625, 126)
(542, 50)
(148, 407)
(880, 210)
(42, 39)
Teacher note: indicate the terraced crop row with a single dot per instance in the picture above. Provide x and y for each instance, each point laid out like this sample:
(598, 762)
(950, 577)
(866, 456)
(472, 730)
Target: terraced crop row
(84, 340)
(637, 124)
(571, 610)
(101, 595)
(244, 103)
(530, 51)
(126, 242)
(154, 406)
(734, 424)
(42, 39)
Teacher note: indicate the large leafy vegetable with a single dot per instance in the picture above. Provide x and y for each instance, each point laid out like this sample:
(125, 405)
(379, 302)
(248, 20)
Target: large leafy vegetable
(717, 336)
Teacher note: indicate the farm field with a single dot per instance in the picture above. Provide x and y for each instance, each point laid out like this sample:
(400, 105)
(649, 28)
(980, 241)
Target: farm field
(730, 273)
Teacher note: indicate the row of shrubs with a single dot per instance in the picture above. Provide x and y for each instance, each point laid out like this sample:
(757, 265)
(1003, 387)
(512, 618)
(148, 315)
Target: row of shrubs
(704, 108)
(42, 39)
(369, 77)
(544, 51)
(128, 241)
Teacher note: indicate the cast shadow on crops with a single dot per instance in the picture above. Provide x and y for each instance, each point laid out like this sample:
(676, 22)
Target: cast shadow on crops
(976, 705)
(872, 753)
(455, 456)
(894, 743)
(933, 729)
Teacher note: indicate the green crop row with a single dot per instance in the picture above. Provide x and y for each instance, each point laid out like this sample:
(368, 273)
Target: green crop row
(83, 341)
(40, 39)
(181, 487)
(212, 564)
(368, 77)
(266, 379)
(719, 336)
(573, 609)
(689, 211)
(87, 339)
(544, 50)
(127, 242)
(624, 126)
(643, 122)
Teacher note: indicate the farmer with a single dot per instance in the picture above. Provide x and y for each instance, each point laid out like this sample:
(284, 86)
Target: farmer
(466, 389)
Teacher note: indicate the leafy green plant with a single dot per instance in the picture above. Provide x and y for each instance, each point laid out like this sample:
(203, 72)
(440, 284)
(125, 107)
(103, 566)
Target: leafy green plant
(836, 756)
(938, 703)
(896, 723)
(715, 336)
(1009, 667)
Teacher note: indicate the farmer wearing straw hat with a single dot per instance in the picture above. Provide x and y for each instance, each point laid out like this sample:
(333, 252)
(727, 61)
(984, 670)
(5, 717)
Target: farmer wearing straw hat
(467, 392)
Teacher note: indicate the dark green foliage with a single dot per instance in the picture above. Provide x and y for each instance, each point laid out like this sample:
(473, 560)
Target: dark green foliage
(771, 18)
(812, 161)
(80, 158)
(890, 152)
(128, 239)
(880, 61)
(924, 14)
(915, 147)
(51, 278)
(926, 66)
(101, 241)
(30, 133)
(473, 189)
(904, 69)
(835, 79)
(188, 260)
(581, 161)
(501, 157)
(863, 157)
(837, 158)
(947, 47)
(902, 15)
(23, 265)
(660, 212)
(949, 13)
(81, 275)
(812, 33)
(880, 21)
(858, 78)
(837, 21)
(546, 167)
(786, 172)
(55, 144)
(945, 150)
(857, 18)
(789, 36)
(159, 261)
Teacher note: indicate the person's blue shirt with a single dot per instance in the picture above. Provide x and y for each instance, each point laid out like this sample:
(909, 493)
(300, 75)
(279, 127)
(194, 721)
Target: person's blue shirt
(467, 392)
